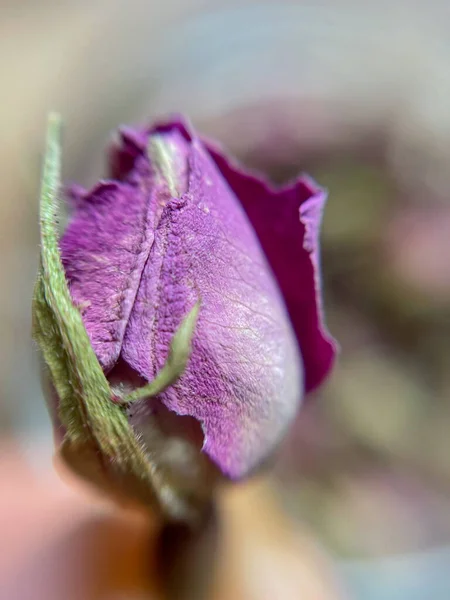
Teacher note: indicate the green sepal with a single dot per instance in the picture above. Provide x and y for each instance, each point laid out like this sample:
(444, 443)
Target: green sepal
(98, 440)
(161, 154)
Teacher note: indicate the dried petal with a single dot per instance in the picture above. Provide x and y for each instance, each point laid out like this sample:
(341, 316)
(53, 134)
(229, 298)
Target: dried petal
(287, 221)
(198, 286)
(243, 380)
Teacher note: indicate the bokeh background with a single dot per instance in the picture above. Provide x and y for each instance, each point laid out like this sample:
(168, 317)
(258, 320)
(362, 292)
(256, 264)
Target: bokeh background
(356, 94)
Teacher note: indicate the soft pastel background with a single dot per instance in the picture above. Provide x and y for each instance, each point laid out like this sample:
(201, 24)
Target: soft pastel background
(357, 94)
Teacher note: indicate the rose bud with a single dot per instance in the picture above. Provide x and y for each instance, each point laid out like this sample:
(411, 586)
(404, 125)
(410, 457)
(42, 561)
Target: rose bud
(179, 317)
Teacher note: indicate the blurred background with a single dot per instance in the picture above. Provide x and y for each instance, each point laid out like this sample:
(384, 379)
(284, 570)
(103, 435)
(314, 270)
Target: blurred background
(356, 94)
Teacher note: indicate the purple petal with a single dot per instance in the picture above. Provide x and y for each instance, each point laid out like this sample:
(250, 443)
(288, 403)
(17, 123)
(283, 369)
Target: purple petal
(137, 259)
(287, 222)
(242, 382)
(104, 249)
(125, 155)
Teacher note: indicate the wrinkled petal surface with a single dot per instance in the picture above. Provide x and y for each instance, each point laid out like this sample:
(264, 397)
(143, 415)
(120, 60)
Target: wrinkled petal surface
(287, 221)
(104, 250)
(138, 257)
